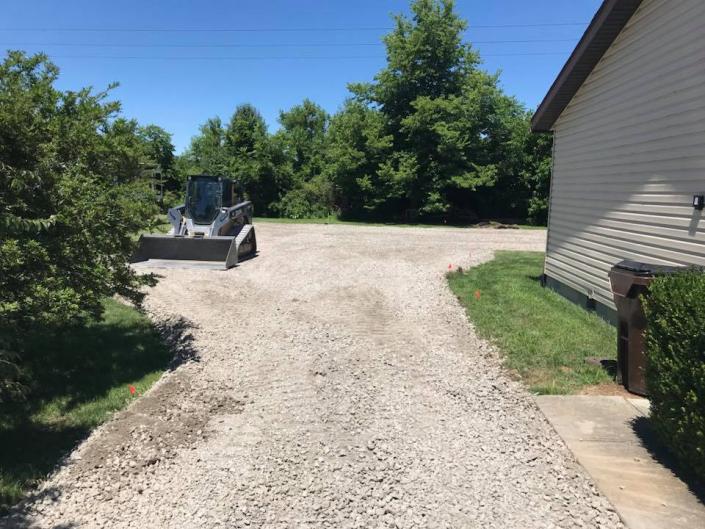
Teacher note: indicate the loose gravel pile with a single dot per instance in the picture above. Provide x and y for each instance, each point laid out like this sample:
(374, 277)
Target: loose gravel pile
(337, 384)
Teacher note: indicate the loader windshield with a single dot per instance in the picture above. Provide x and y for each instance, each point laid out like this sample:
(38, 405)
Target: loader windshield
(203, 199)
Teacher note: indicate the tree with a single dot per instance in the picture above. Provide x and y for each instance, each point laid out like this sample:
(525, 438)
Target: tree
(157, 145)
(425, 57)
(455, 136)
(302, 142)
(432, 136)
(536, 175)
(243, 151)
(158, 150)
(207, 153)
(70, 201)
(358, 146)
(303, 137)
(252, 158)
(246, 133)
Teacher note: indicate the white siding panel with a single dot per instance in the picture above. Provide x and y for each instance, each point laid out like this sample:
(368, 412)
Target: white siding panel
(629, 153)
(631, 227)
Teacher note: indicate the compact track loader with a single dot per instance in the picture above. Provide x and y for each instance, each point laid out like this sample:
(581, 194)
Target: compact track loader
(213, 229)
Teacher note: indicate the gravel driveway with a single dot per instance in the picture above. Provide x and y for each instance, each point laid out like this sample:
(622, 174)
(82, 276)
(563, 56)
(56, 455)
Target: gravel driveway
(338, 385)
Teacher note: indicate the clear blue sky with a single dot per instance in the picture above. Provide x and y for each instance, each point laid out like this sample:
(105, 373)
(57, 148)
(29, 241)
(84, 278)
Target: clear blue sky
(175, 79)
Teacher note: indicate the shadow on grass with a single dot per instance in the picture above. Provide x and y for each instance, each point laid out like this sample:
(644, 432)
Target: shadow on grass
(644, 430)
(79, 377)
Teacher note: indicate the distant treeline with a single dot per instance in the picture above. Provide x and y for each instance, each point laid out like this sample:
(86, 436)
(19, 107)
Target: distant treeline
(433, 137)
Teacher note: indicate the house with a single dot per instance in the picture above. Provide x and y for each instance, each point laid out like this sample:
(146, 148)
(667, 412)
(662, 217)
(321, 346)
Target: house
(627, 113)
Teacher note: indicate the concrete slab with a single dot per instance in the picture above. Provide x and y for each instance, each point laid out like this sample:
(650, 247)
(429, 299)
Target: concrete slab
(642, 405)
(607, 436)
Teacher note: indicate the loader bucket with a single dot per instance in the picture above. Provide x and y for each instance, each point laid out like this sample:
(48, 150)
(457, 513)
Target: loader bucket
(169, 251)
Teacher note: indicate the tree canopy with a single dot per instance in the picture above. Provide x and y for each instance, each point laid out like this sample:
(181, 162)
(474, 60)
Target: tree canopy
(456, 138)
(432, 136)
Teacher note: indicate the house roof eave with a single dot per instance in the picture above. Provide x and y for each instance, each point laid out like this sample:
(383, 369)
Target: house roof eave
(606, 25)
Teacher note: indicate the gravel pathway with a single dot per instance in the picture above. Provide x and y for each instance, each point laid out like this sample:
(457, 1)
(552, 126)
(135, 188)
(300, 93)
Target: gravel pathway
(339, 385)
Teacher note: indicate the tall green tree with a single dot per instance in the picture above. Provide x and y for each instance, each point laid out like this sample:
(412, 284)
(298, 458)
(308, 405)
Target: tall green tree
(158, 150)
(426, 57)
(253, 161)
(246, 132)
(206, 154)
(303, 137)
(358, 146)
(302, 142)
(455, 136)
(70, 201)
(242, 150)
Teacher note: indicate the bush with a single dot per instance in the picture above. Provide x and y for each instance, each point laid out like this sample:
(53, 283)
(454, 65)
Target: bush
(675, 371)
(312, 200)
(70, 201)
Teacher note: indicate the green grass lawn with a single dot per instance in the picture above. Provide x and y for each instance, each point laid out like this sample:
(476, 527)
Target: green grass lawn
(80, 379)
(544, 337)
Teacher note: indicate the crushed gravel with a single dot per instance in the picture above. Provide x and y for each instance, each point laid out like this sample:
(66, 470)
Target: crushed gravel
(336, 383)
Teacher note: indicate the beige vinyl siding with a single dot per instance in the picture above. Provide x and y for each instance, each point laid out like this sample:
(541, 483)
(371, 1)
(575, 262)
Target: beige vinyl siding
(629, 153)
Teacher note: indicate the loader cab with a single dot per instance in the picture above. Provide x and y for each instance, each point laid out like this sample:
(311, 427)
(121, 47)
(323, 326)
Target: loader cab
(206, 195)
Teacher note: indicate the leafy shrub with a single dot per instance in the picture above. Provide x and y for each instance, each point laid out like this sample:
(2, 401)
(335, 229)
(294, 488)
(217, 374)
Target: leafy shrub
(313, 199)
(70, 201)
(675, 371)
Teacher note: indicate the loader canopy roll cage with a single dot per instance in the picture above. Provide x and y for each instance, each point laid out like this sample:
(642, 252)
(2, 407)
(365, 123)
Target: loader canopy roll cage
(204, 198)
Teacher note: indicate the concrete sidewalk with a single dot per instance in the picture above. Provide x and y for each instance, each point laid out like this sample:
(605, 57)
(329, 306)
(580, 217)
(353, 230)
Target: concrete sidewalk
(609, 437)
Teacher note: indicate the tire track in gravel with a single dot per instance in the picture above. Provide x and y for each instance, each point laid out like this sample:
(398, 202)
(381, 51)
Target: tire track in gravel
(353, 393)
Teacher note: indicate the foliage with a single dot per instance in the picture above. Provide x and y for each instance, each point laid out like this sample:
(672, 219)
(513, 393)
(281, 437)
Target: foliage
(283, 173)
(303, 137)
(207, 153)
(302, 142)
(432, 137)
(358, 146)
(79, 378)
(243, 151)
(158, 152)
(253, 161)
(543, 337)
(309, 199)
(675, 369)
(70, 198)
(535, 175)
(458, 144)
